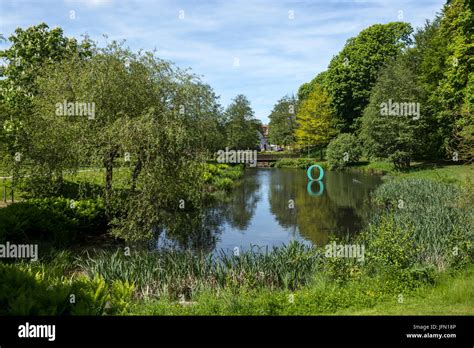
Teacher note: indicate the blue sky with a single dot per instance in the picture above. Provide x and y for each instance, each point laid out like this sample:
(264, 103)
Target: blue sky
(278, 45)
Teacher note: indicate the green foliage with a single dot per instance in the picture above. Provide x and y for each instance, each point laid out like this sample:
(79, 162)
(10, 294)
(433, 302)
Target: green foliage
(283, 121)
(223, 183)
(400, 159)
(353, 72)
(400, 135)
(389, 247)
(343, 150)
(174, 273)
(222, 176)
(56, 220)
(241, 126)
(26, 292)
(443, 62)
(316, 123)
(30, 49)
(306, 88)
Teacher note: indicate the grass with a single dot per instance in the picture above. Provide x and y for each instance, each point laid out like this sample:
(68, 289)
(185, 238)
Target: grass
(449, 173)
(452, 295)
(302, 163)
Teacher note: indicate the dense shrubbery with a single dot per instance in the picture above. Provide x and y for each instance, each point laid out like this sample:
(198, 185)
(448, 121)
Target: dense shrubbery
(343, 150)
(58, 220)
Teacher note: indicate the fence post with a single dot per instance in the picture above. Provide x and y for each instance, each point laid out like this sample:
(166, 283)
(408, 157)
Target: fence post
(5, 190)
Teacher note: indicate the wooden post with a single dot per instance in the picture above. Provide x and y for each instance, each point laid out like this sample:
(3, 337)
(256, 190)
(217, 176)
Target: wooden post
(5, 190)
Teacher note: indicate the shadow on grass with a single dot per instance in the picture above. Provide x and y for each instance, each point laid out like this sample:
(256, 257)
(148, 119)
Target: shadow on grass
(81, 190)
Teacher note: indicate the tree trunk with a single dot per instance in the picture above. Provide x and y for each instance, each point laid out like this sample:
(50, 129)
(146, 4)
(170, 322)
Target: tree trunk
(109, 167)
(136, 171)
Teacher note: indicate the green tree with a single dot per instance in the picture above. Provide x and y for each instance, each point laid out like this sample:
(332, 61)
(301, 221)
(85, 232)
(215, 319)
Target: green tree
(454, 90)
(387, 130)
(353, 72)
(306, 88)
(241, 126)
(30, 52)
(136, 128)
(316, 119)
(283, 121)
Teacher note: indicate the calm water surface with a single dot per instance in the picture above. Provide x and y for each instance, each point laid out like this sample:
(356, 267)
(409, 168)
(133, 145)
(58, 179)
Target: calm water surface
(274, 206)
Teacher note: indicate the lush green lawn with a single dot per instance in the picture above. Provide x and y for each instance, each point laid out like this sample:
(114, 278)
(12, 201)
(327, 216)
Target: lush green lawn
(461, 173)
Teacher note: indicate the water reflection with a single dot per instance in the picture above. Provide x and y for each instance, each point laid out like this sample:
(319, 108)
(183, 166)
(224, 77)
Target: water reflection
(274, 206)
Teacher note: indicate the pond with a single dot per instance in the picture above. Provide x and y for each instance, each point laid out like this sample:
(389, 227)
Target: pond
(271, 207)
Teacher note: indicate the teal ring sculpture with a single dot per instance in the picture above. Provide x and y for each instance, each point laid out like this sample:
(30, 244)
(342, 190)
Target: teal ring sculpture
(321, 172)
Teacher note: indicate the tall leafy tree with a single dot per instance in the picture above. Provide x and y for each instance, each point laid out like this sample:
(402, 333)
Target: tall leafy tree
(31, 50)
(316, 119)
(454, 90)
(353, 72)
(306, 88)
(283, 121)
(241, 126)
(388, 131)
(135, 125)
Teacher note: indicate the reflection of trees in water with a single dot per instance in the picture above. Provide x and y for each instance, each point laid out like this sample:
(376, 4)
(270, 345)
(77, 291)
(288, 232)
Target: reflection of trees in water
(352, 190)
(240, 207)
(316, 216)
(198, 231)
(282, 188)
(342, 207)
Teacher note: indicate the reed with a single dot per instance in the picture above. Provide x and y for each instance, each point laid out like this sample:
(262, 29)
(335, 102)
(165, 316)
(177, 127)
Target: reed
(178, 274)
(439, 215)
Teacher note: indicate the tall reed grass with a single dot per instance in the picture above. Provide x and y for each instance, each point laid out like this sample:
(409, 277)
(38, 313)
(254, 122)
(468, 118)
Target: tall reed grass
(178, 274)
(439, 215)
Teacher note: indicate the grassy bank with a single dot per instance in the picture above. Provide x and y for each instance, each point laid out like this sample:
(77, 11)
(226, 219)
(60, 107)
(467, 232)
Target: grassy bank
(446, 172)
(301, 163)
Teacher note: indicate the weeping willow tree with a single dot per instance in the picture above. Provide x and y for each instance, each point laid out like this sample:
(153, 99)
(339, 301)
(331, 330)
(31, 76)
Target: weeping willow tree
(132, 116)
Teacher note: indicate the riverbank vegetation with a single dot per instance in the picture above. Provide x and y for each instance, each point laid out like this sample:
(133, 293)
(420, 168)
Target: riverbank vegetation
(415, 246)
